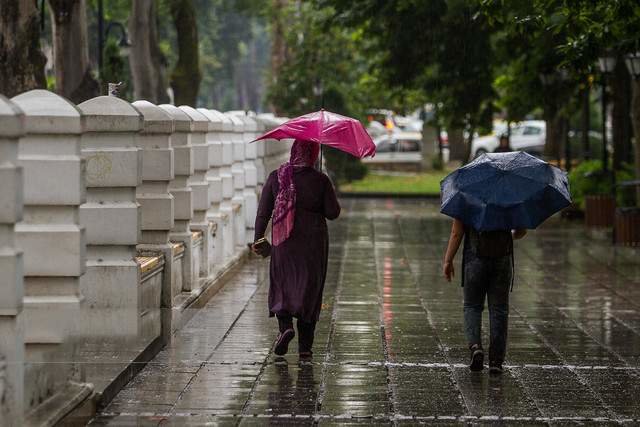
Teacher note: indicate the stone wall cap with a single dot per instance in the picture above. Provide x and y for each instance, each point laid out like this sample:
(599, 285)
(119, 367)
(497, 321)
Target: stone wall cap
(200, 121)
(181, 120)
(238, 125)
(47, 112)
(215, 122)
(250, 124)
(270, 121)
(156, 120)
(110, 114)
(11, 119)
(227, 124)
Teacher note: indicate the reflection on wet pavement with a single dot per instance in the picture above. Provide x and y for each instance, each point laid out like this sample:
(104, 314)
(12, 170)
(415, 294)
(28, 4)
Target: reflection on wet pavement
(390, 347)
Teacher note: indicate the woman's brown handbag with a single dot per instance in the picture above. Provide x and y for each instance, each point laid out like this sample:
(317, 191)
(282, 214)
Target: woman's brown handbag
(262, 247)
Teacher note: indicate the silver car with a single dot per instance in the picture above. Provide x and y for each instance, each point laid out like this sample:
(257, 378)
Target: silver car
(526, 136)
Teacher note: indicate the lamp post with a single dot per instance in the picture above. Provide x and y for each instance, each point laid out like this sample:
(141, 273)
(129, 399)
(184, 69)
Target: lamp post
(550, 79)
(632, 61)
(586, 119)
(103, 35)
(606, 64)
(633, 64)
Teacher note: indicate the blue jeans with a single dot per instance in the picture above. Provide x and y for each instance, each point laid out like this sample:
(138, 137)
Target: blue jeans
(487, 278)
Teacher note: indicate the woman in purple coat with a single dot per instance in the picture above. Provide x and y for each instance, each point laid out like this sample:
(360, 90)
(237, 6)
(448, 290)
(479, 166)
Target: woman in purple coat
(298, 198)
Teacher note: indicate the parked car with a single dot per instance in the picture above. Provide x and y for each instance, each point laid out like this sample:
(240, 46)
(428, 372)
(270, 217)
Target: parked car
(398, 142)
(526, 136)
(397, 147)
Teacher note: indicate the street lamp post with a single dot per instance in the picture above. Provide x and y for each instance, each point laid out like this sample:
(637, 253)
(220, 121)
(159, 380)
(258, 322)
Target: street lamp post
(103, 35)
(586, 125)
(606, 64)
(632, 61)
(633, 64)
(550, 79)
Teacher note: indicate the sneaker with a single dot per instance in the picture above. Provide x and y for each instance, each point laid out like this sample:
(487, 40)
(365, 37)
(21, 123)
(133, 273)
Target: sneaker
(477, 358)
(282, 342)
(305, 355)
(495, 367)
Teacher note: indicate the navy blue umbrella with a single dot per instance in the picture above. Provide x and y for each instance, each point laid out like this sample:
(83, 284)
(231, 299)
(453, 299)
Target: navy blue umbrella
(504, 191)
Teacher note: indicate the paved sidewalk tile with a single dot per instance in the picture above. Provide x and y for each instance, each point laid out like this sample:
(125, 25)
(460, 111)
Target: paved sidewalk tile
(390, 348)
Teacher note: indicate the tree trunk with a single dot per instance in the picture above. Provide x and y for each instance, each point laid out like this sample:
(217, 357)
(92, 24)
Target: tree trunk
(553, 141)
(635, 118)
(74, 78)
(186, 76)
(146, 60)
(429, 136)
(21, 60)
(278, 41)
(467, 147)
(457, 149)
(621, 114)
(586, 123)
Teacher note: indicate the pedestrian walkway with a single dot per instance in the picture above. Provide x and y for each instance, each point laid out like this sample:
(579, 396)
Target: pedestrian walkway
(390, 347)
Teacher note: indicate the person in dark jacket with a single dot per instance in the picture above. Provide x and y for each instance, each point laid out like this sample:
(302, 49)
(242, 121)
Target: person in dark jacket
(503, 144)
(487, 272)
(298, 199)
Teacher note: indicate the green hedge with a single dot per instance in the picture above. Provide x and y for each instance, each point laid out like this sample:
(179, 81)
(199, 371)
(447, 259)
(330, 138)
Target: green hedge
(588, 178)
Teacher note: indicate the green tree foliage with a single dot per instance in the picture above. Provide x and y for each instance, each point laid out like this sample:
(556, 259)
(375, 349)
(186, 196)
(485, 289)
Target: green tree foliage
(328, 66)
(439, 47)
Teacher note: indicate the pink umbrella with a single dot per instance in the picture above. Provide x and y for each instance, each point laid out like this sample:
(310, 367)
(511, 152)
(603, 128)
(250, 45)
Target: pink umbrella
(325, 127)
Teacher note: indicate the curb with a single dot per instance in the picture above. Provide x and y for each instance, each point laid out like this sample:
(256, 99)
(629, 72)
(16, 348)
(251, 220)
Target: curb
(381, 195)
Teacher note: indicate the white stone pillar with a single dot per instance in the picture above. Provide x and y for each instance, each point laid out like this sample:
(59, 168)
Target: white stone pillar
(262, 175)
(237, 170)
(183, 163)
(226, 207)
(11, 285)
(251, 174)
(52, 240)
(113, 170)
(157, 203)
(50, 234)
(214, 214)
(199, 184)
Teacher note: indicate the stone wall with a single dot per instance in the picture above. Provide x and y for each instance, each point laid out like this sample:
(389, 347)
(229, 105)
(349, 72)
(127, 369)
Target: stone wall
(115, 218)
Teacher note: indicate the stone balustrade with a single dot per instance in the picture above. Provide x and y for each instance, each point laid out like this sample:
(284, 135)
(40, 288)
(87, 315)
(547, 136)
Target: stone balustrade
(180, 189)
(115, 219)
(239, 200)
(11, 291)
(199, 184)
(226, 207)
(113, 171)
(214, 215)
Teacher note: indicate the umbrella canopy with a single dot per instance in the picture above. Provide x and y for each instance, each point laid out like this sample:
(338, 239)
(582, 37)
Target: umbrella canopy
(504, 191)
(325, 127)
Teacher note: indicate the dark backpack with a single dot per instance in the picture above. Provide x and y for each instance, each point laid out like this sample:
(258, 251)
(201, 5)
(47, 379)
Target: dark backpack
(494, 244)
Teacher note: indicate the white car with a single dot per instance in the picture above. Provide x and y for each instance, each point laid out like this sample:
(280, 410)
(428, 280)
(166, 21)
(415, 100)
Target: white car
(397, 147)
(526, 136)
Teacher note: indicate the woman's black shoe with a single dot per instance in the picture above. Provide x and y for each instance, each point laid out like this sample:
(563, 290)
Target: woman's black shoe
(282, 343)
(477, 358)
(495, 368)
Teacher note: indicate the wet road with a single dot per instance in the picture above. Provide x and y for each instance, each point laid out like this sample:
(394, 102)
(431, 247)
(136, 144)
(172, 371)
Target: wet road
(390, 347)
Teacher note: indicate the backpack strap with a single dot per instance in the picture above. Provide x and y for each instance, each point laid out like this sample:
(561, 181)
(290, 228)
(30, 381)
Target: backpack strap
(513, 267)
(464, 250)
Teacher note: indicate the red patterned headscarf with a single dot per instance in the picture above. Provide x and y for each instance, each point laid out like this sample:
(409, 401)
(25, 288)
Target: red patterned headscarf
(303, 154)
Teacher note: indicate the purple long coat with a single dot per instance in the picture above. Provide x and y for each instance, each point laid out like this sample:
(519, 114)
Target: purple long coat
(299, 265)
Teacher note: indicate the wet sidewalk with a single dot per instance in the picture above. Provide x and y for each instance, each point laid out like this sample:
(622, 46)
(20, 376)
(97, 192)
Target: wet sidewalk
(390, 348)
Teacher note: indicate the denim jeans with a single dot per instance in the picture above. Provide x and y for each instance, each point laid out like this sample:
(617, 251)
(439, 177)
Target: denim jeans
(487, 278)
(306, 331)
